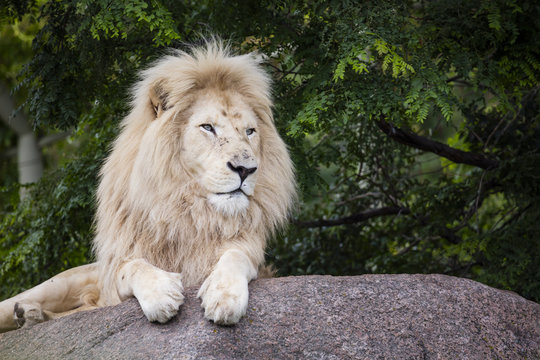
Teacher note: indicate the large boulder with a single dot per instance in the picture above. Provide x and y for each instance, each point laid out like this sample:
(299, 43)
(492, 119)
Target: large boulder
(310, 317)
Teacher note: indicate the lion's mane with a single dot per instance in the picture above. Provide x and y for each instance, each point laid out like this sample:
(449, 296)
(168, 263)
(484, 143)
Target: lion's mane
(151, 211)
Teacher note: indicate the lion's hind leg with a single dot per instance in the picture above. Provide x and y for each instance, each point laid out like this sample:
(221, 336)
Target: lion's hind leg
(70, 291)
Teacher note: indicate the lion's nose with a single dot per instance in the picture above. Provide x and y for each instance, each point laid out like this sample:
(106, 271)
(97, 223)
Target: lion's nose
(241, 170)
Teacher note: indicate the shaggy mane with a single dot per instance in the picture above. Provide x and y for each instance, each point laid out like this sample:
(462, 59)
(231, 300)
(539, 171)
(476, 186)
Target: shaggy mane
(151, 210)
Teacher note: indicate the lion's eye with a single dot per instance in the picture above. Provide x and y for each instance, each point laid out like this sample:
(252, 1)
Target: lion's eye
(209, 128)
(250, 132)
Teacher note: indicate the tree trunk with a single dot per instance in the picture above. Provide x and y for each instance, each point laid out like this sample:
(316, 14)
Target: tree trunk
(29, 160)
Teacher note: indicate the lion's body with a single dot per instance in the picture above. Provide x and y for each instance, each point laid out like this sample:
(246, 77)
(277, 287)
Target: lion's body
(195, 183)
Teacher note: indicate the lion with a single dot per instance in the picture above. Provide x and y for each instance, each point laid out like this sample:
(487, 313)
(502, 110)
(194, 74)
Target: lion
(196, 182)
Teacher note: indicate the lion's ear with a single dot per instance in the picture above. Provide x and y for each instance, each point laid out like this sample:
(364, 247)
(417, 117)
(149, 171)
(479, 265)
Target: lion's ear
(158, 99)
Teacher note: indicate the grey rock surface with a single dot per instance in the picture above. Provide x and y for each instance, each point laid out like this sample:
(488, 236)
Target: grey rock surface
(311, 317)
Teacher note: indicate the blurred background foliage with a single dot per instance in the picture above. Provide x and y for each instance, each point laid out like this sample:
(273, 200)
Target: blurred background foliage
(414, 127)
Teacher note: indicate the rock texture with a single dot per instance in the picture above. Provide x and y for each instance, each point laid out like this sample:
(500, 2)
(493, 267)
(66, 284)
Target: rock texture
(312, 317)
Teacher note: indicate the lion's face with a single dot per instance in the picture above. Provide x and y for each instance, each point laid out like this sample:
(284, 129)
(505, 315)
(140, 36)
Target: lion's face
(221, 147)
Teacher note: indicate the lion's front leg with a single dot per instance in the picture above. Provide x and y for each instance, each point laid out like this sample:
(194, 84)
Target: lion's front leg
(224, 293)
(159, 292)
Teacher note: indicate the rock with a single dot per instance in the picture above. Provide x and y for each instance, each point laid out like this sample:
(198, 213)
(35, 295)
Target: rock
(311, 317)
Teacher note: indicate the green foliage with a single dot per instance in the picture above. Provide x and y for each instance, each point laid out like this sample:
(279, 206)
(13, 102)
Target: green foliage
(84, 45)
(463, 73)
(117, 19)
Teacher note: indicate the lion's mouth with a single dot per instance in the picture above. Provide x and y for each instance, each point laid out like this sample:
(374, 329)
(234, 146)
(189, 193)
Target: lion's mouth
(236, 192)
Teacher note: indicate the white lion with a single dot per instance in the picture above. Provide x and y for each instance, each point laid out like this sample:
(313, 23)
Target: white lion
(196, 181)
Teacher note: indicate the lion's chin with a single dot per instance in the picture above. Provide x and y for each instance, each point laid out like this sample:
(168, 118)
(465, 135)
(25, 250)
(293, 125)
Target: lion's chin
(232, 203)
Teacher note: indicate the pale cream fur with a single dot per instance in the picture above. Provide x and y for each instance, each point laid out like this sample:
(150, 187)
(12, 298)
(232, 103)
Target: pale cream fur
(168, 214)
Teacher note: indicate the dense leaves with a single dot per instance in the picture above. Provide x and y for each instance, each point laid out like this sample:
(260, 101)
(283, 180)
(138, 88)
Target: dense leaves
(350, 79)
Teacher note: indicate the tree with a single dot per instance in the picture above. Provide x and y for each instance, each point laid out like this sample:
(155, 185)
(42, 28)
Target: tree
(414, 127)
(28, 155)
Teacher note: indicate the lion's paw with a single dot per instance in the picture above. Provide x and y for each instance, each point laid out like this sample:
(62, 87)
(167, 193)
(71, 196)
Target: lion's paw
(224, 297)
(26, 315)
(160, 298)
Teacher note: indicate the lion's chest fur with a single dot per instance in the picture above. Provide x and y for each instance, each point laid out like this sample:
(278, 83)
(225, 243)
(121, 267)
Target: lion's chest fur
(180, 238)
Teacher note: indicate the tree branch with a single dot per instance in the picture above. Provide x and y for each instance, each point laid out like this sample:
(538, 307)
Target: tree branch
(356, 218)
(419, 142)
